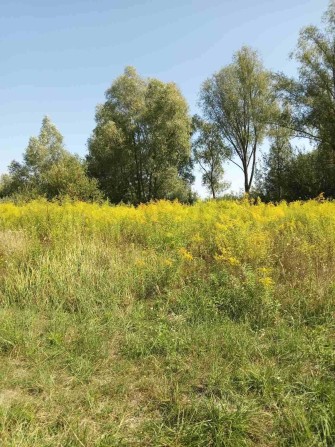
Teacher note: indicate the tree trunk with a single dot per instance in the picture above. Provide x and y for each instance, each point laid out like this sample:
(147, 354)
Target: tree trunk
(213, 191)
(246, 179)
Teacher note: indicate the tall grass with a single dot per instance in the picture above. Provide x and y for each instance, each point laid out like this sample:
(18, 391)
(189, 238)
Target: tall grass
(167, 325)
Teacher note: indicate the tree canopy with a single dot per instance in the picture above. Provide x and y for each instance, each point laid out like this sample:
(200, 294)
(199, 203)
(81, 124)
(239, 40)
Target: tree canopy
(48, 170)
(239, 101)
(309, 103)
(140, 147)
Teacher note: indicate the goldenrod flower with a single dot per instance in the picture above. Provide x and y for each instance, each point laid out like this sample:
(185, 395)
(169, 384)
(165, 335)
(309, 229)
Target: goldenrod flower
(267, 281)
(186, 254)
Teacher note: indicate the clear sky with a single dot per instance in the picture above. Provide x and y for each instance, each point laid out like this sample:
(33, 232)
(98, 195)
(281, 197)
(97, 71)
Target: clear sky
(59, 57)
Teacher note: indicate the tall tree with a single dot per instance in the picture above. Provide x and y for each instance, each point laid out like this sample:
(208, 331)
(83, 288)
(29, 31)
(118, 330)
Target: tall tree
(48, 170)
(140, 147)
(239, 101)
(311, 98)
(209, 153)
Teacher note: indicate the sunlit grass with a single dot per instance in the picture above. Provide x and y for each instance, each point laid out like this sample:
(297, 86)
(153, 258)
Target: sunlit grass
(167, 325)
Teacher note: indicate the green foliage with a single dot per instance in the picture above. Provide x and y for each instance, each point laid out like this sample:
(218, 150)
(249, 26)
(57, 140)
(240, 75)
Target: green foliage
(209, 153)
(312, 96)
(310, 102)
(140, 148)
(274, 176)
(239, 101)
(302, 177)
(246, 301)
(48, 170)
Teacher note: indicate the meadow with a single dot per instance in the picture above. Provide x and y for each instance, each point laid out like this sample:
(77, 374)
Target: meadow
(167, 325)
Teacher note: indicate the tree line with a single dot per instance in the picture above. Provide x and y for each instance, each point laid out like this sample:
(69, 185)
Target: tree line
(146, 145)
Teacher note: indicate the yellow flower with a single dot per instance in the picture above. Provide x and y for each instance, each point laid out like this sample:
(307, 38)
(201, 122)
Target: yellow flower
(220, 258)
(197, 238)
(267, 281)
(185, 254)
(264, 270)
(233, 261)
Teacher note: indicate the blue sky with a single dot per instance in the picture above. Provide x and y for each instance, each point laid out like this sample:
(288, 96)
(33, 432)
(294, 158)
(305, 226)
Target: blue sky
(59, 57)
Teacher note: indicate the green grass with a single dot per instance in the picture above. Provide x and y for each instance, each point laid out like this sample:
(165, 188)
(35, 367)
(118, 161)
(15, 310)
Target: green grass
(97, 351)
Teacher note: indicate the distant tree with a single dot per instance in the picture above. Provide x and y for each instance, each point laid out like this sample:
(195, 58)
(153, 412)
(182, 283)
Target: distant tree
(48, 170)
(140, 147)
(272, 180)
(302, 177)
(209, 153)
(240, 102)
(295, 177)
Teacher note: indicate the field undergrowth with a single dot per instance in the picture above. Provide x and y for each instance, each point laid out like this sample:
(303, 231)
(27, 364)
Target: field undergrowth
(167, 325)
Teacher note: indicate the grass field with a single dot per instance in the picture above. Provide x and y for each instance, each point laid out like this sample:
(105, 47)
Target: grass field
(167, 325)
